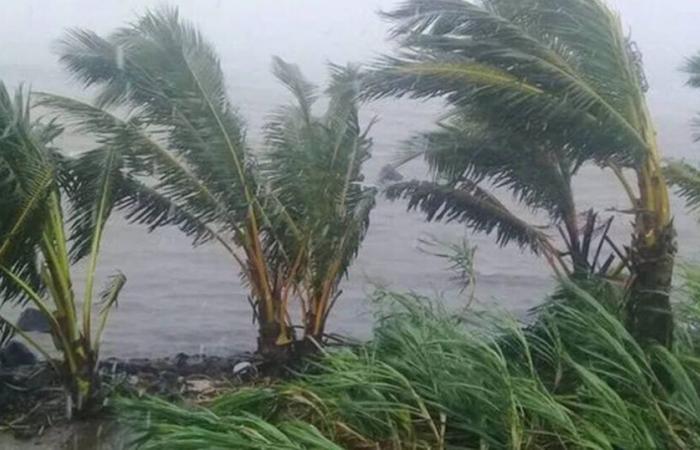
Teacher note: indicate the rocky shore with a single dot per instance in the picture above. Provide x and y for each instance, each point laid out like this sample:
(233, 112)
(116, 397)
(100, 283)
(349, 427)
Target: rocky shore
(32, 400)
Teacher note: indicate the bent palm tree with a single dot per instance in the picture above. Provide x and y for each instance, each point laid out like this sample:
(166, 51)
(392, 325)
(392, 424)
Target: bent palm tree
(162, 102)
(558, 84)
(34, 250)
(179, 131)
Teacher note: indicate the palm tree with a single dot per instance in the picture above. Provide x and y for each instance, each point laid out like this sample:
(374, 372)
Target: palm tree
(161, 101)
(35, 254)
(312, 166)
(682, 175)
(559, 84)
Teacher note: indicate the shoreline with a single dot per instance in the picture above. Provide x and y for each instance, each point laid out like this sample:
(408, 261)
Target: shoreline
(35, 403)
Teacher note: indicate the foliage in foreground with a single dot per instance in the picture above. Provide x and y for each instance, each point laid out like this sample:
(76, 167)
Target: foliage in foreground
(575, 379)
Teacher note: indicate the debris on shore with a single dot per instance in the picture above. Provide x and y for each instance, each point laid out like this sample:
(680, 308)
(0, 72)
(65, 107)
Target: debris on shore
(33, 399)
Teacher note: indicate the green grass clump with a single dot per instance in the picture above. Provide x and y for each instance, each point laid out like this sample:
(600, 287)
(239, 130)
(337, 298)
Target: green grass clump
(430, 380)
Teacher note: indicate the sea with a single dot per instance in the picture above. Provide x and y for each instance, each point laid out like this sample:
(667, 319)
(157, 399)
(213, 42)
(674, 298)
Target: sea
(184, 299)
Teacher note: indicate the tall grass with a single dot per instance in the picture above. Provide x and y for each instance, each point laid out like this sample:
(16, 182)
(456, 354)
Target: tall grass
(429, 380)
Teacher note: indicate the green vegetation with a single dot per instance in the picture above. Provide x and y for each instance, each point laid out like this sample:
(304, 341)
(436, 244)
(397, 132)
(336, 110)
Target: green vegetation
(292, 222)
(686, 180)
(683, 176)
(35, 255)
(536, 89)
(312, 166)
(430, 380)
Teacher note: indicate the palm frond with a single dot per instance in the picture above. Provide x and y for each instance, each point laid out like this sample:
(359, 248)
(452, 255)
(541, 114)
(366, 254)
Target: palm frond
(497, 57)
(465, 147)
(145, 205)
(468, 203)
(686, 180)
(7, 332)
(144, 154)
(108, 301)
(536, 89)
(330, 206)
(291, 77)
(692, 69)
(177, 197)
(161, 68)
(97, 173)
(28, 175)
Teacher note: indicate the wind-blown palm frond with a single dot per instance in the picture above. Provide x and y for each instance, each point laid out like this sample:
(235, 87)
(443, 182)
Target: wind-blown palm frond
(692, 68)
(468, 203)
(180, 128)
(184, 198)
(526, 66)
(537, 175)
(680, 174)
(144, 205)
(313, 166)
(27, 177)
(686, 180)
(163, 70)
(7, 332)
(303, 91)
(93, 196)
(562, 77)
(108, 301)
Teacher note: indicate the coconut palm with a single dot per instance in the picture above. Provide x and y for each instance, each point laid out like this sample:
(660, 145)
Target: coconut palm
(35, 254)
(312, 165)
(682, 175)
(161, 100)
(559, 84)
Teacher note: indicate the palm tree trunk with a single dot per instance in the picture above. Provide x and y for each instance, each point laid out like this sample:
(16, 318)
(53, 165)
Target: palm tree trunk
(652, 255)
(275, 337)
(269, 346)
(649, 310)
(84, 388)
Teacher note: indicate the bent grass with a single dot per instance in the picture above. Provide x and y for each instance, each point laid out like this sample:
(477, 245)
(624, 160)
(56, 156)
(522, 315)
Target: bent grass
(575, 379)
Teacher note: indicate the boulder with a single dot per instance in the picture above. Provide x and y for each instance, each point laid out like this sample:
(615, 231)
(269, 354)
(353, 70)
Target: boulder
(32, 319)
(16, 354)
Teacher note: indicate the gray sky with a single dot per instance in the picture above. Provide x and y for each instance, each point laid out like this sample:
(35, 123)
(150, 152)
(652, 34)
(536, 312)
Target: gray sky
(311, 32)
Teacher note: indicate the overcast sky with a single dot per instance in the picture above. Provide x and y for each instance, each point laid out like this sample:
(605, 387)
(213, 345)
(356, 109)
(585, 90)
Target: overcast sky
(311, 32)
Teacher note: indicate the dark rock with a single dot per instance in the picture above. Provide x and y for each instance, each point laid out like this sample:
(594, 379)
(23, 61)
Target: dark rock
(33, 320)
(16, 354)
(389, 174)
